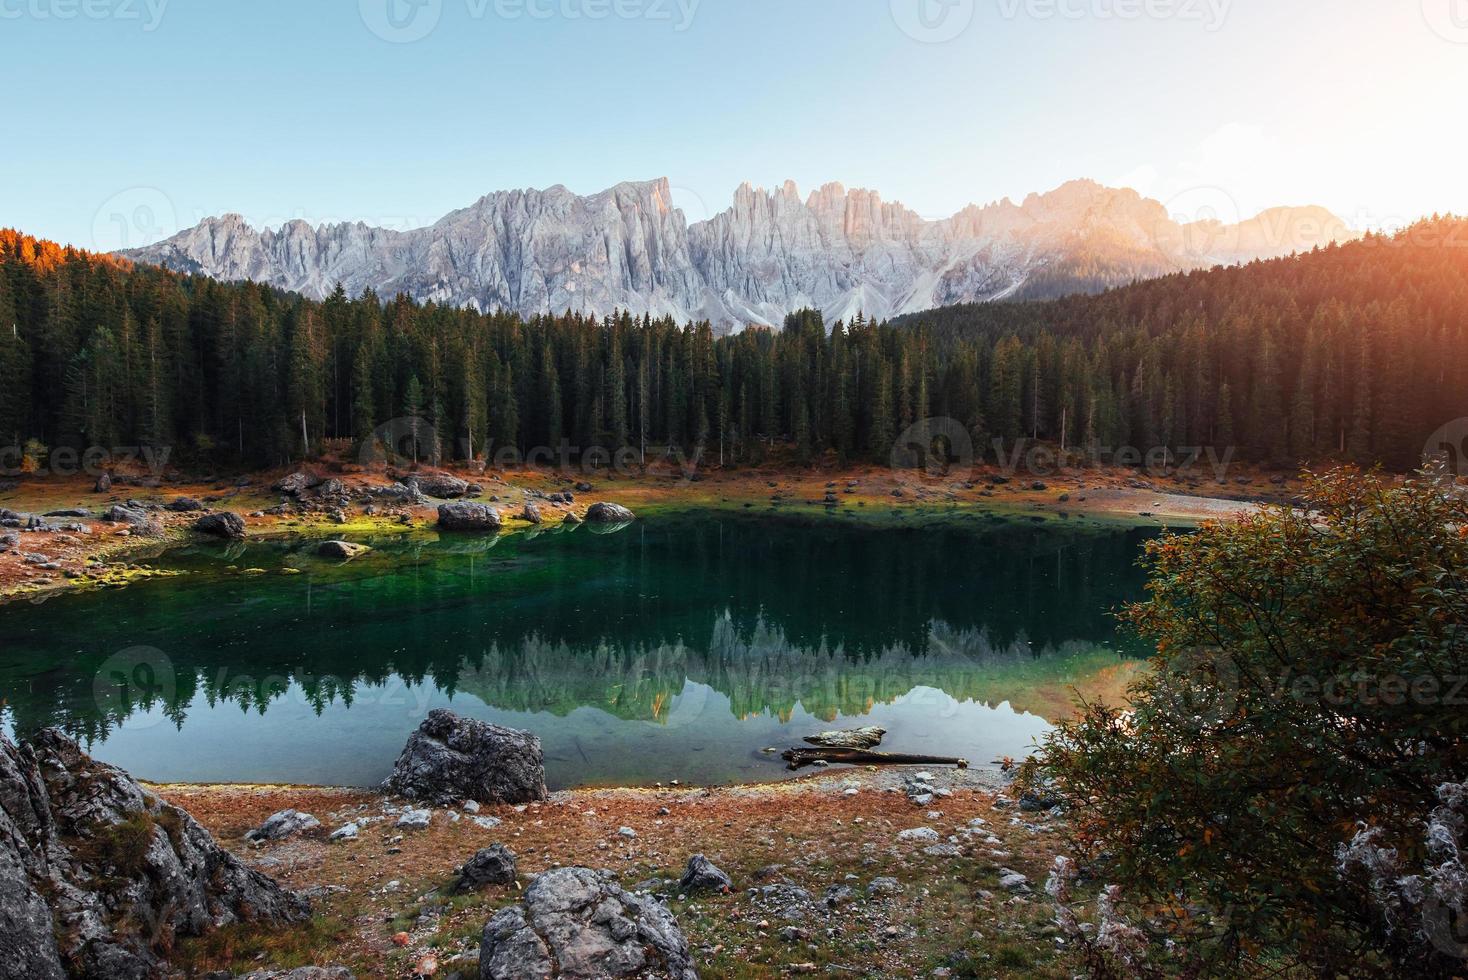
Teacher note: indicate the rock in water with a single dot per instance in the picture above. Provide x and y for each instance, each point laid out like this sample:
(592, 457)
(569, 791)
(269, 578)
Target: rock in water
(341, 550)
(84, 847)
(492, 866)
(451, 758)
(221, 525)
(701, 875)
(576, 922)
(468, 517)
(604, 513)
(856, 738)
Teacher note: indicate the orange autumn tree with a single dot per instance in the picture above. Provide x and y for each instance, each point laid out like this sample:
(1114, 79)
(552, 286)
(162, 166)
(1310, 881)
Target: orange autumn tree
(1267, 795)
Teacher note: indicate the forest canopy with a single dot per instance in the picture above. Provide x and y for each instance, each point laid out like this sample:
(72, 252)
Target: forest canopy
(1353, 352)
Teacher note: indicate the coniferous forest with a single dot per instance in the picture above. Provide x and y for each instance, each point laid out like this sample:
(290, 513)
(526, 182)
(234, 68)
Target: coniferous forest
(1355, 353)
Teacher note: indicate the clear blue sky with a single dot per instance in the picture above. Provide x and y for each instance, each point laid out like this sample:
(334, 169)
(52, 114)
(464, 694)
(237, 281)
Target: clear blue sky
(132, 118)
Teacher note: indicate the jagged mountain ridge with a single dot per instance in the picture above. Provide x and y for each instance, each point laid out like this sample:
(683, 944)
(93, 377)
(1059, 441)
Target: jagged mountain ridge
(770, 253)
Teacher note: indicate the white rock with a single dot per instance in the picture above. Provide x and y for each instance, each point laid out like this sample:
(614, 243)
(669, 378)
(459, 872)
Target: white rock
(415, 819)
(922, 835)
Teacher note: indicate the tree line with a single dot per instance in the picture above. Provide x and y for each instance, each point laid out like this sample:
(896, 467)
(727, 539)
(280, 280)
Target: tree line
(1353, 352)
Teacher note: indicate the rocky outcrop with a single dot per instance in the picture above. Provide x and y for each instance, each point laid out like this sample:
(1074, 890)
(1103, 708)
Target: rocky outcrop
(772, 252)
(579, 923)
(495, 865)
(450, 758)
(609, 514)
(221, 525)
(479, 518)
(100, 875)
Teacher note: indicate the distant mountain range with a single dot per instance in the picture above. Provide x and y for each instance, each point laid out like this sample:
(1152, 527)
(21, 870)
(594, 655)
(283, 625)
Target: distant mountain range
(840, 251)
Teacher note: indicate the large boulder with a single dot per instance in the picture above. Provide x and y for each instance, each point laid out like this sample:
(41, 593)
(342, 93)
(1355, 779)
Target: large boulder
(87, 855)
(605, 513)
(531, 513)
(442, 486)
(468, 517)
(286, 823)
(221, 525)
(579, 923)
(184, 505)
(495, 865)
(451, 758)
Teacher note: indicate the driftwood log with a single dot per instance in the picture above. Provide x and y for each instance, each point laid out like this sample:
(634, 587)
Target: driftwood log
(800, 758)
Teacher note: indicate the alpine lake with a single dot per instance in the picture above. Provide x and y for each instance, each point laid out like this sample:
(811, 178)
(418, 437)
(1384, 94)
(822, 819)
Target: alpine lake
(684, 646)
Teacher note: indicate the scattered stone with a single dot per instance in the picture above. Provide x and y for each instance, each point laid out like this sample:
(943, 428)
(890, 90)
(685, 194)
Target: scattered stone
(183, 505)
(346, 832)
(576, 922)
(494, 865)
(221, 525)
(415, 819)
(1013, 881)
(627, 832)
(450, 758)
(279, 826)
(919, 835)
(1038, 800)
(487, 823)
(531, 513)
(442, 486)
(942, 850)
(884, 886)
(701, 875)
(297, 483)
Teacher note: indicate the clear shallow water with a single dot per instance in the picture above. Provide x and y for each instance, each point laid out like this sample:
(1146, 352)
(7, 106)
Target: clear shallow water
(676, 648)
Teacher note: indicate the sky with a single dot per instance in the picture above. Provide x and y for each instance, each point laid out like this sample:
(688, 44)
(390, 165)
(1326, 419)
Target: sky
(128, 120)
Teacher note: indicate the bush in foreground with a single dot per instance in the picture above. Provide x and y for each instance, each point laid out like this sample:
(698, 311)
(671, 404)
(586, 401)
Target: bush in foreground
(1284, 791)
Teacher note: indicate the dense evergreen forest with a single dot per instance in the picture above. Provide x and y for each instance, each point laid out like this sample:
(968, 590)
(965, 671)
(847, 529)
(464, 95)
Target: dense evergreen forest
(1355, 352)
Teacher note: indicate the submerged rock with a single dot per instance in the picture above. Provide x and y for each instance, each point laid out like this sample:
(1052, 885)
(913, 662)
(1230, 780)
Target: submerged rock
(702, 875)
(855, 738)
(494, 865)
(86, 854)
(450, 758)
(341, 550)
(576, 922)
(221, 525)
(468, 517)
(604, 513)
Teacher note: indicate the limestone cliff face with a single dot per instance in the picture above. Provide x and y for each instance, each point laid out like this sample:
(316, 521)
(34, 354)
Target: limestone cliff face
(772, 252)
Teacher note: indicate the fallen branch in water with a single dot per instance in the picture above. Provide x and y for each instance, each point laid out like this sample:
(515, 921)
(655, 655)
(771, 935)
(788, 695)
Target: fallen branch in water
(800, 758)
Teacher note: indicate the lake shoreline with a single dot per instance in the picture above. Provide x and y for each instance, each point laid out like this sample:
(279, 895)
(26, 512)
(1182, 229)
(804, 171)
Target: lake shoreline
(108, 554)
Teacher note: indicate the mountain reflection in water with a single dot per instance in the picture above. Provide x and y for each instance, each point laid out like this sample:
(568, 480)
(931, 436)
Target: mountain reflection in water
(677, 648)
